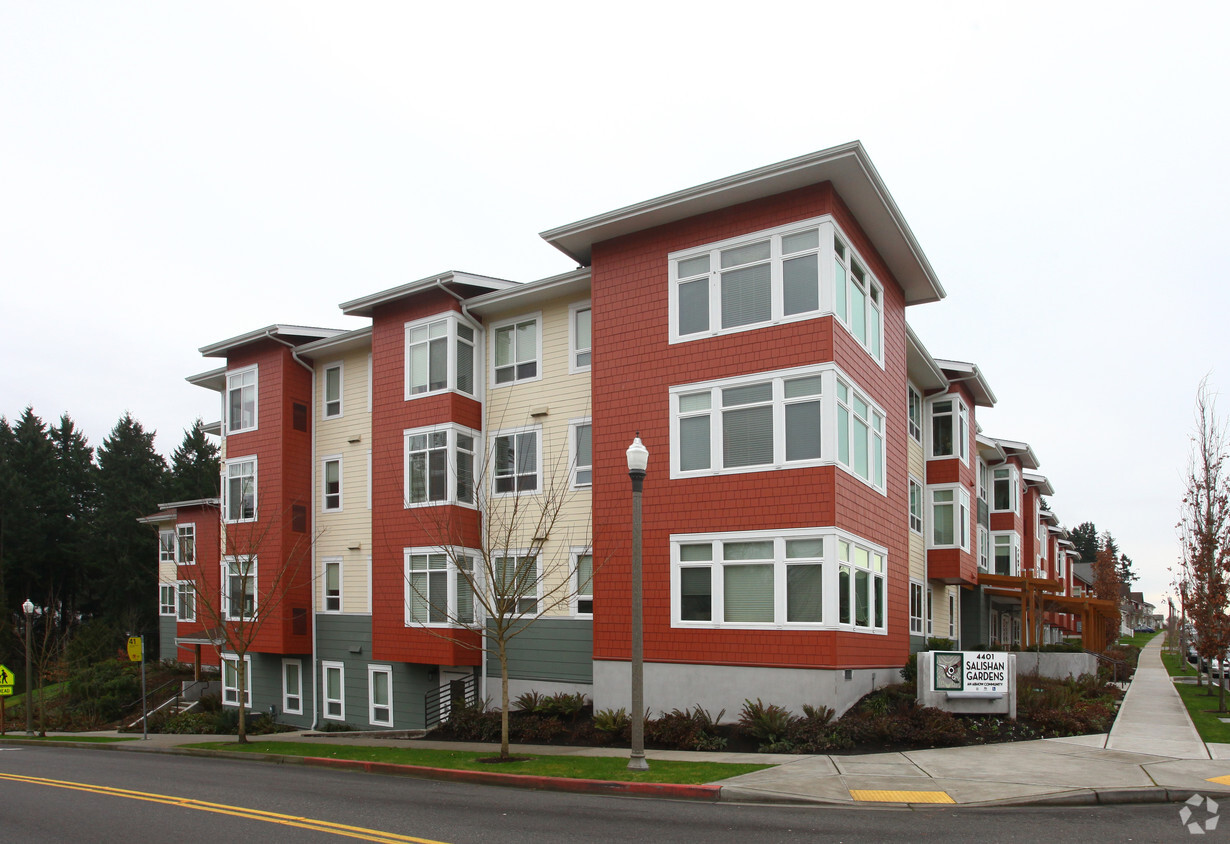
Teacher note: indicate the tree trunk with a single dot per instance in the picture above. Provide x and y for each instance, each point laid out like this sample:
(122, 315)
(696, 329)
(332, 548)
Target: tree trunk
(243, 688)
(503, 652)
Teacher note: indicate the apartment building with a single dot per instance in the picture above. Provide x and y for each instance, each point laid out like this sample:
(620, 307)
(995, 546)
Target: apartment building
(820, 497)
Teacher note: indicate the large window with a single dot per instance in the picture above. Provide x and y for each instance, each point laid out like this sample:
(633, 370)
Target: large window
(517, 584)
(915, 413)
(230, 680)
(333, 391)
(916, 608)
(1007, 551)
(333, 678)
(185, 594)
(380, 695)
(950, 521)
(516, 351)
(166, 599)
(949, 428)
(795, 417)
(580, 332)
(1006, 497)
(239, 491)
(916, 506)
(333, 585)
(440, 354)
(166, 546)
(241, 401)
(186, 544)
(292, 687)
(331, 484)
(239, 588)
(793, 272)
(517, 458)
(582, 454)
(767, 579)
(439, 466)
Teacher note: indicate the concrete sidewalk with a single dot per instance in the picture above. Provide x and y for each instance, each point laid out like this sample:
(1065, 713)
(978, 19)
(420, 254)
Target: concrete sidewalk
(1152, 754)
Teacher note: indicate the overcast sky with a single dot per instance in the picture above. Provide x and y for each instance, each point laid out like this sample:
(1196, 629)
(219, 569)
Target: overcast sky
(173, 174)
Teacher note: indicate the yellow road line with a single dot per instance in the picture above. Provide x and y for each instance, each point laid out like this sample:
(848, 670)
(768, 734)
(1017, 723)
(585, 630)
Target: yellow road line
(223, 809)
(871, 796)
(1220, 780)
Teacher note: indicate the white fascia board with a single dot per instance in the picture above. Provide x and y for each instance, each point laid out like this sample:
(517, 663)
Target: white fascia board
(219, 349)
(1040, 481)
(364, 305)
(196, 502)
(920, 367)
(1021, 450)
(847, 167)
(214, 379)
(532, 294)
(959, 370)
(357, 339)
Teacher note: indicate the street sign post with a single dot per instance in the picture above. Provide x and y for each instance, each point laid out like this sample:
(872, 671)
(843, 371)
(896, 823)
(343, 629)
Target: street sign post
(136, 653)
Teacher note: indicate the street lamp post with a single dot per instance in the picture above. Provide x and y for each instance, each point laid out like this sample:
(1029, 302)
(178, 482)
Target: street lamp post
(28, 609)
(638, 460)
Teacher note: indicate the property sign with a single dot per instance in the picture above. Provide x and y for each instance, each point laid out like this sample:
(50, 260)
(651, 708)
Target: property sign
(134, 648)
(970, 671)
(6, 681)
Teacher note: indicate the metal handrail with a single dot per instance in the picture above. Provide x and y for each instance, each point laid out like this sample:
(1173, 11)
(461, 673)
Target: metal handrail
(434, 699)
(1116, 665)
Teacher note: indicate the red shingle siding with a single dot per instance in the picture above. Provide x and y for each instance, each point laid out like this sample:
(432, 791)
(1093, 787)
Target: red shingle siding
(634, 367)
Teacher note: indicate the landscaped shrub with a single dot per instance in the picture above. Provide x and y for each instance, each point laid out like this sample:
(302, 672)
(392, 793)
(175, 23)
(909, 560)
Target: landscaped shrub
(473, 722)
(769, 724)
(100, 693)
(536, 729)
(528, 702)
(685, 729)
(611, 721)
(561, 704)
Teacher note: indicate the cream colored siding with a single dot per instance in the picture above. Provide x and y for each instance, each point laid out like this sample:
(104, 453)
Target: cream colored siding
(344, 534)
(918, 544)
(557, 400)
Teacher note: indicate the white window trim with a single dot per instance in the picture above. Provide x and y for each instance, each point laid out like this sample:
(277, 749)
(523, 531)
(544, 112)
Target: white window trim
(256, 398)
(166, 607)
(369, 479)
(830, 589)
(960, 419)
(953, 606)
(179, 556)
(325, 667)
(829, 373)
(828, 229)
(914, 394)
(452, 429)
(984, 549)
(252, 578)
(929, 610)
(341, 483)
(247, 673)
(450, 379)
(167, 550)
(573, 351)
(916, 621)
(538, 585)
(914, 484)
(491, 458)
(453, 579)
(961, 502)
(325, 562)
(373, 670)
(179, 600)
(226, 503)
(340, 366)
(536, 318)
(574, 556)
(573, 466)
(287, 709)
(1014, 546)
(1014, 486)
(369, 382)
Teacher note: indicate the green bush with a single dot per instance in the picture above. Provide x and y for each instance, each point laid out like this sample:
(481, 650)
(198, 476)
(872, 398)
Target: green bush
(768, 724)
(561, 704)
(100, 693)
(612, 721)
(528, 702)
(685, 729)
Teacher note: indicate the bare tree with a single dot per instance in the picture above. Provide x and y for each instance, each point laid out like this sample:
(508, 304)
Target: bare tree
(1204, 529)
(521, 565)
(234, 603)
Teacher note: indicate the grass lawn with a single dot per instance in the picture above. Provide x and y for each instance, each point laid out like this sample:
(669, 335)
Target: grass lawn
(1200, 704)
(1138, 639)
(14, 734)
(573, 767)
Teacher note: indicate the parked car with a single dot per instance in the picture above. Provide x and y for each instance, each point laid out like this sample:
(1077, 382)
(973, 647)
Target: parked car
(1145, 630)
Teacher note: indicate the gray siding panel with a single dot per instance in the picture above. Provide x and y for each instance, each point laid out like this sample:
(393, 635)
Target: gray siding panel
(166, 637)
(554, 649)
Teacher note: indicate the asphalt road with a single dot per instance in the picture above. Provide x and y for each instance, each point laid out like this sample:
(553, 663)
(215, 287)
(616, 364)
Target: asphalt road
(89, 795)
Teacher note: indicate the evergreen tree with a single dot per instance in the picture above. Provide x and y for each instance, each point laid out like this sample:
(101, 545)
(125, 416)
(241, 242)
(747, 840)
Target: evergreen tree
(1127, 574)
(32, 513)
(195, 467)
(131, 483)
(76, 498)
(1085, 537)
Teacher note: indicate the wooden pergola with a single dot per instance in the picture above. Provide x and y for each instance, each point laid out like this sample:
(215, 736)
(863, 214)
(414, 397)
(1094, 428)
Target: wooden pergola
(1038, 595)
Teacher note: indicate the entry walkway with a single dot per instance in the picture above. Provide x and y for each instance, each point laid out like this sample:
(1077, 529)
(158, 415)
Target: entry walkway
(1152, 754)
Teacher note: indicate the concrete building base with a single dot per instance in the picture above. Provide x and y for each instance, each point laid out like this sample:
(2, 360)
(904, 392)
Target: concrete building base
(723, 688)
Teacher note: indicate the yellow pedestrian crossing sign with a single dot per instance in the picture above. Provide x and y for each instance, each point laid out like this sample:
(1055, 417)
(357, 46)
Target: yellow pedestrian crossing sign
(134, 648)
(6, 681)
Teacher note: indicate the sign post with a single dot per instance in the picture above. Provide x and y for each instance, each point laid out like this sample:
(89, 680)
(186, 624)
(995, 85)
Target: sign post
(6, 689)
(136, 653)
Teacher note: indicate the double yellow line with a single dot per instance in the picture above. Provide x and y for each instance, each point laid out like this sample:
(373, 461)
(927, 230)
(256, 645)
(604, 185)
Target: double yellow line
(222, 809)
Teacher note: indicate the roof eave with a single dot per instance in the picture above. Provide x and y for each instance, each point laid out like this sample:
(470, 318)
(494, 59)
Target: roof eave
(364, 306)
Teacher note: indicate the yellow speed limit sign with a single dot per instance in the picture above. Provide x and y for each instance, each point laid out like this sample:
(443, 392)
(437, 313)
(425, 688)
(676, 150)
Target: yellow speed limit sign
(134, 648)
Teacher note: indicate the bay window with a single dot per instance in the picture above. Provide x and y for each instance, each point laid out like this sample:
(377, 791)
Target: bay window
(1006, 497)
(796, 417)
(805, 578)
(439, 466)
(949, 428)
(440, 354)
(1007, 553)
(950, 522)
(439, 586)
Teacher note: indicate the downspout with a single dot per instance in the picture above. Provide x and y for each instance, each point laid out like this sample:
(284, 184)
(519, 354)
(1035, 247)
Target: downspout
(482, 680)
(312, 505)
